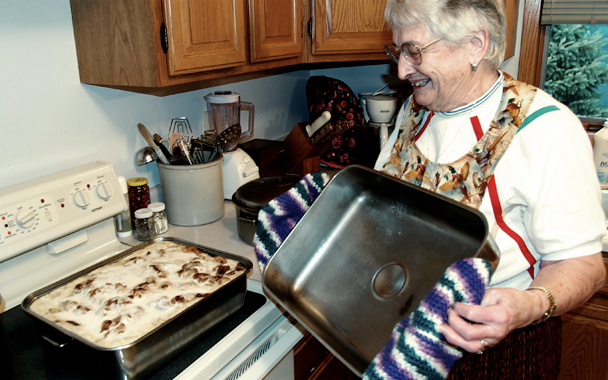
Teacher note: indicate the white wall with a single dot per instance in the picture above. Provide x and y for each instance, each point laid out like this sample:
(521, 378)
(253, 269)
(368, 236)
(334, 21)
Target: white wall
(49, 121)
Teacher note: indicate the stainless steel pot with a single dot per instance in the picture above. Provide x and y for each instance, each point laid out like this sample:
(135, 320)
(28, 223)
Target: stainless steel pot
(252, 196)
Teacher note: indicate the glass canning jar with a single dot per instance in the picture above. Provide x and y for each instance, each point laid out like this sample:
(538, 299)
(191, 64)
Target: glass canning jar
(159, 217)
(145, 227)
(139, 194)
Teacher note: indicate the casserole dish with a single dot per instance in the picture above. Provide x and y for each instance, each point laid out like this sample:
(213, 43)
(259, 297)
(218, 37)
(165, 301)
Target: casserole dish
(252, 196)
(365, 254)
(141, 356)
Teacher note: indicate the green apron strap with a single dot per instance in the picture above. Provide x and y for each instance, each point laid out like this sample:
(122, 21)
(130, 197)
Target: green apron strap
(535, 115)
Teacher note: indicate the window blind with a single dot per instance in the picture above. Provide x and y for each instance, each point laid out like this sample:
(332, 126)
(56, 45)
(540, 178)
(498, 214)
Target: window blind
(574, 12)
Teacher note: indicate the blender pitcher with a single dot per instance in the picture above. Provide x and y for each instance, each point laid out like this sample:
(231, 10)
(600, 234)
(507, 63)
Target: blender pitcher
(224, 110)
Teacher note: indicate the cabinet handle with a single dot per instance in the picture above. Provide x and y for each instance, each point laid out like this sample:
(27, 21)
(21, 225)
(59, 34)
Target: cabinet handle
(310, 27)
(164, 37)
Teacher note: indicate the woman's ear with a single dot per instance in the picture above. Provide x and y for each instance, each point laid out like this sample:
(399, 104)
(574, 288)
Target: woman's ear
(478, 46)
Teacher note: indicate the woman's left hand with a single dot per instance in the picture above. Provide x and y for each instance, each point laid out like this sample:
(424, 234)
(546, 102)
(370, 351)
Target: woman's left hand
(501, 311)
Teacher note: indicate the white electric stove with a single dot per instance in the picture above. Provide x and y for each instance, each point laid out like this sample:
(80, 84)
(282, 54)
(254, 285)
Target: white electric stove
(59, 224)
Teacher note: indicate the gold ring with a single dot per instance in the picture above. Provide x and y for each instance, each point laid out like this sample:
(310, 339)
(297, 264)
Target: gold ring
(483, 347)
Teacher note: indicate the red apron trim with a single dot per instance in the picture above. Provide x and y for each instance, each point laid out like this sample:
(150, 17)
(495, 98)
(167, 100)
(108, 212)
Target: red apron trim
(497, 208)
(477, 127)
(426, 124)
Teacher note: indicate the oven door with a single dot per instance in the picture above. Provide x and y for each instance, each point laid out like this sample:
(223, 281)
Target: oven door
(263, 343)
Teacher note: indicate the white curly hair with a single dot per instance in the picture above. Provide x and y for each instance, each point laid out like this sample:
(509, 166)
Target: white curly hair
(455, 21)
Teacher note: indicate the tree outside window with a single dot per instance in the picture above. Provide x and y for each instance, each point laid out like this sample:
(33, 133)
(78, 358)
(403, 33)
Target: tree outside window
(577, 68)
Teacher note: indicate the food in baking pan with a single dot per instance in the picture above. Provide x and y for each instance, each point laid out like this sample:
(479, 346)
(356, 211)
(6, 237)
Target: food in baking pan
(118, 303)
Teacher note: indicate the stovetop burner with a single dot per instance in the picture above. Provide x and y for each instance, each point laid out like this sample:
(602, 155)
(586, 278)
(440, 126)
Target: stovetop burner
(33, 358)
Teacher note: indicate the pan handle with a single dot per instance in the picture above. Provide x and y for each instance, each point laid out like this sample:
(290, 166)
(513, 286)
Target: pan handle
(52, 342)
(247, 221)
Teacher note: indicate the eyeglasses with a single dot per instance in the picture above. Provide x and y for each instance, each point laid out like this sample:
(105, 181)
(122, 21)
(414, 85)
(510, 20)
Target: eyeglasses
(409, 51)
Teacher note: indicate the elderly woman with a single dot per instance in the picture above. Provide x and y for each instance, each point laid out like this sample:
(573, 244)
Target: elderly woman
(472, 133)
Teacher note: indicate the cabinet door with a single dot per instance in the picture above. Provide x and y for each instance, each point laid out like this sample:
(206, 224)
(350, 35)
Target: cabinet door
(276, 29)
(205, 35)
(348, 27)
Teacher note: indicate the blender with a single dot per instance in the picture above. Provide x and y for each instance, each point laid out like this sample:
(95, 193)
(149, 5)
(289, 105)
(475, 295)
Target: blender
(224, 117)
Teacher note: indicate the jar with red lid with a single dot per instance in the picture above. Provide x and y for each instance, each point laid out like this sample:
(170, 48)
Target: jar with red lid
(139, 194)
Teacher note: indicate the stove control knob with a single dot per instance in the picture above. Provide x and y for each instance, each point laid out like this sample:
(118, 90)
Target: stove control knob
(26, 218)
(104, 191)
(81, 198)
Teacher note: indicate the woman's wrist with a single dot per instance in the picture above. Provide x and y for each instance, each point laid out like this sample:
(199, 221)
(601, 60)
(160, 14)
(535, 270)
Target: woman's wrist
(549, 300)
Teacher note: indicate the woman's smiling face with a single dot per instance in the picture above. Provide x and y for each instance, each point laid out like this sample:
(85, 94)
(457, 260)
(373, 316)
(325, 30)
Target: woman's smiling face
(443, 81)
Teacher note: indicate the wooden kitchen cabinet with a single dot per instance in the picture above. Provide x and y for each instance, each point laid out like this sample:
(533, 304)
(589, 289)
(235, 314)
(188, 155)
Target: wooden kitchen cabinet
(208, 35)
(276, 29)
(352, 30)
(313, 361)
(585, 338)
(153, 45)
(168, 46)
(195, 45)
(356, 31)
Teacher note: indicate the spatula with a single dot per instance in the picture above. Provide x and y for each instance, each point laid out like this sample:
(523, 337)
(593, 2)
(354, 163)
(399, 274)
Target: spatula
(150, 140)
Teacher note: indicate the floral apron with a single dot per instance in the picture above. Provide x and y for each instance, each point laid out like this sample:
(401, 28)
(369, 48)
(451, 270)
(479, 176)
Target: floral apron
(465, 179)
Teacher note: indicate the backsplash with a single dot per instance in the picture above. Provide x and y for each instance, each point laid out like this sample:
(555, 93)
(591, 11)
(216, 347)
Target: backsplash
(51, 121)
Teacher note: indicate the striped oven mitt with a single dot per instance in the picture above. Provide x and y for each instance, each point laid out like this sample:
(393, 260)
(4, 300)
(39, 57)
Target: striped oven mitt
(280, 215)
(416, 349)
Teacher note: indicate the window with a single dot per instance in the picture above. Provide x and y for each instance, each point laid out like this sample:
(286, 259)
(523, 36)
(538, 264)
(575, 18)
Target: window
(575, 55)
(576, 67)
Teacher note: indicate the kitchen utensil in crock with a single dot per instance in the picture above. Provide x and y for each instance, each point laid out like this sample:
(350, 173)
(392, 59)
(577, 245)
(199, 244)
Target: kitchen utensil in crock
(160, 142)
(150, 140)
(173, 140)
(224, 110)
(229, 137)
(252, 196)
(197, 151)
(183, 147)
(145, 155)
(181, 125)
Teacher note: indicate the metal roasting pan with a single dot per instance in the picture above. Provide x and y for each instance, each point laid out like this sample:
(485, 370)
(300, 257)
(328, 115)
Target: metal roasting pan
(141, 357)
(364, 255)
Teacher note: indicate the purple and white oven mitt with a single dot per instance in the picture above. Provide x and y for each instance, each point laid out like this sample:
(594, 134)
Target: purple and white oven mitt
(416, 349)
(280, 215)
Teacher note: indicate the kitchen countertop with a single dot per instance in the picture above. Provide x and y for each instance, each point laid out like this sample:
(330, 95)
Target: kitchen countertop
(221, 235)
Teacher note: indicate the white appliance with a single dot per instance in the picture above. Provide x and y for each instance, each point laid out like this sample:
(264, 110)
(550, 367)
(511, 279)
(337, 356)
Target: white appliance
(61, 223)
(238, 168)
(379, 108)
(222, 115)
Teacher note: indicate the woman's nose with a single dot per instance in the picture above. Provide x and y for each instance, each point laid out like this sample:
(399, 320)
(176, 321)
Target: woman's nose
(405, 68)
